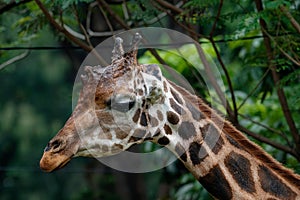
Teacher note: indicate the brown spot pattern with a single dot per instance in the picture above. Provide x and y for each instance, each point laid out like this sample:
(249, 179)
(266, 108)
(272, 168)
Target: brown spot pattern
(172, 117)
(156, 74)
(136, 116)
(167, 129)
(104, 148)
(197, 153)
(273, 185)
(165, 86)
(116, 147)
(196, 114)
(163, 141)
(215, 183)
(153, 70)
(143, 120)
(239, 167)
(212, 137)
(186, 130)
(160, 115)
(148, 137)
(140, 92)
(138, 134)
(176, 97)
(153, 121)
(120, 134)
(181, 152)
(176, 107)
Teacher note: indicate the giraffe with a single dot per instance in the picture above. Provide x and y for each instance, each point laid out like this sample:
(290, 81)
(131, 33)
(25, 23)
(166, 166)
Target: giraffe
(127, 103)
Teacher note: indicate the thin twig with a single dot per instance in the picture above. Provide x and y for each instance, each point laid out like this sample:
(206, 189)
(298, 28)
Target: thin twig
(234, 114)
(87, 38)
(106, 19)
(14, 59)
(268, 141)
(268, 128)
(290, 17)
(254, 89)
(170, 6)
(280, 49)
(178, 23)
(113, 14)
(202, 56)
(68, 34)
(216, 20)
(125, 26)
(212, 78)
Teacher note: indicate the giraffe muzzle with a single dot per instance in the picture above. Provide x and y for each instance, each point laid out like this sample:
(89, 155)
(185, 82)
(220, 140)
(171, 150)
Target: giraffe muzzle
(57, 154)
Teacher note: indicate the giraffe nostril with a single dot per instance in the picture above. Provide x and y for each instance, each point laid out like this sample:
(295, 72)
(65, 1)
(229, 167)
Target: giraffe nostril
(56, 144)
(47, 148)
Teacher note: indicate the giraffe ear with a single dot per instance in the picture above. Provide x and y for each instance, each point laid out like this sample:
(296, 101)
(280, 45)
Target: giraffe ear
(131, 56)
(118, 50)
(135, 43)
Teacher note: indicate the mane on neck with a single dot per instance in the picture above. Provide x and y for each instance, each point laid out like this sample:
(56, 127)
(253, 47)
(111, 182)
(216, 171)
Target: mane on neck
(238, 139)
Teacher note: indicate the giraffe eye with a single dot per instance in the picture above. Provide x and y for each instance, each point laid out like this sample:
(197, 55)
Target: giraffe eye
(121, 103)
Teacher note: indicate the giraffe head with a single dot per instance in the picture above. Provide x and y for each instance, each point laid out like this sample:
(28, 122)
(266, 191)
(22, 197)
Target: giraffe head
(118, 106)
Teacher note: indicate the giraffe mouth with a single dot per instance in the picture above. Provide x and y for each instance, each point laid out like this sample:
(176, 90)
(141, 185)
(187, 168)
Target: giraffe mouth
(50, 163)
(64, 163)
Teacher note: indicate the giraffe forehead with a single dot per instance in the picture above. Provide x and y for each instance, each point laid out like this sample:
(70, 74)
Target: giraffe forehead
(111, 82)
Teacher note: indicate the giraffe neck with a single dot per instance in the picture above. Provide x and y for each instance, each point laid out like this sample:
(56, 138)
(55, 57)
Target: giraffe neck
(220, 157)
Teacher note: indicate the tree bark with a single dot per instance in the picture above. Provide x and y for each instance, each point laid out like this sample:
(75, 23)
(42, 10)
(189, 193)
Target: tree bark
(276, 79)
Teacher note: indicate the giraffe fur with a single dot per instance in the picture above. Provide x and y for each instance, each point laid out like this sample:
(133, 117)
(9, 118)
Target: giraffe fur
(127, 103)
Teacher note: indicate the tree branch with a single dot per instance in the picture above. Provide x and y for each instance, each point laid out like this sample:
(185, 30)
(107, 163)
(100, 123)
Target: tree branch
(113, 14)
(106, 19)
(188, 29)
(87, 38)
(269, 142)
(212, 79)
(254, 89)
(202, 56)
(276, 79)
(216, 20)
(268, 128)
(11, 5)
(169, 6)
(125, 26)
(62, 29)
(233, 114)
(280, 49)
(14, 59)
(290, 17)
